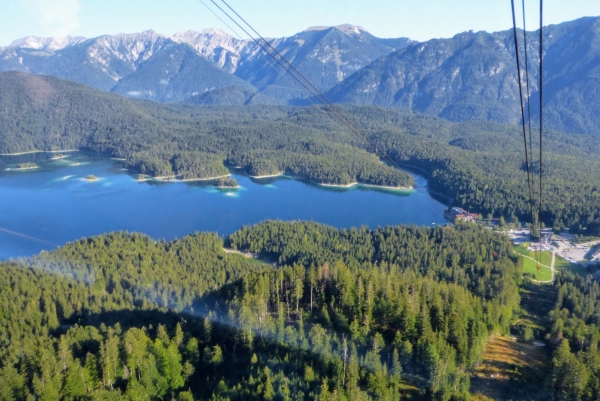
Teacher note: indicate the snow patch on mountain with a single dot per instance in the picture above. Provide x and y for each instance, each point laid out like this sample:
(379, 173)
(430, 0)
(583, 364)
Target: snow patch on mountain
(52, 44)
(217, 46)
(348, 29)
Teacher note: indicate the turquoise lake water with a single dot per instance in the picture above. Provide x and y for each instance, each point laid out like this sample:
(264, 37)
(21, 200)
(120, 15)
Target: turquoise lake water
(47, 207)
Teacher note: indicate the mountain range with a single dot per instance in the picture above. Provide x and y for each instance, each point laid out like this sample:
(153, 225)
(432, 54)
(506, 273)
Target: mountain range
(152, 66)
(471, 76)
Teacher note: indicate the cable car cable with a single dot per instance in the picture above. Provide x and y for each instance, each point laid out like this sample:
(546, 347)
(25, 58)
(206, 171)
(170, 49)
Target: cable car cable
(290, 64)
(527, 83)
(331, 107)
(260, 54)
(529, 180)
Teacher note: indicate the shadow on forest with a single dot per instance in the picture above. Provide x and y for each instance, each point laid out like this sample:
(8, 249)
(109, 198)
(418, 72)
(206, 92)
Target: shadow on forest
(214, 301)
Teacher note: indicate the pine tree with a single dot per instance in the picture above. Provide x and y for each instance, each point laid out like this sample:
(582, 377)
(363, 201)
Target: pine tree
(396, 366)
(269, 391)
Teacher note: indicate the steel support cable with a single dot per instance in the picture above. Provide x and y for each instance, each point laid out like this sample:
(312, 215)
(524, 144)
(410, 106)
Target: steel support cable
(529, 119)
(291, 65)
(281, 64)
(260, 54)
(331, 107)
(529, 180)
(527, 83)
(541, 108)
(292, 83)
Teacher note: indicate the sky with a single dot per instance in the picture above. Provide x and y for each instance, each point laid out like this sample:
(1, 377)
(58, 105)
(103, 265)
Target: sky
(417, 19)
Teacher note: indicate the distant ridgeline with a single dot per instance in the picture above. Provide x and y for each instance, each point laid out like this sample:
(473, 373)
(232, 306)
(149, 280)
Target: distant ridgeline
(352, 314)
(469, 76)
(477, 165)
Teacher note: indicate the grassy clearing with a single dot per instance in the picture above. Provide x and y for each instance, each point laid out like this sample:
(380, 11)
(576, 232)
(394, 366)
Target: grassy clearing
(529, 266)
(537, 300)
(517, 370)
(546, 255)
(507, 362)
(409, 391)
(248, 259)
(561, 264)
(480, 397)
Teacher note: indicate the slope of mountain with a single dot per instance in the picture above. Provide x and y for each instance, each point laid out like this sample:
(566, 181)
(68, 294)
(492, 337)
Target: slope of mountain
(572, 83)
(325, 55)
(174, 73)
(231, 96)
(145, 65)
(453, 78)
(472, 76)
(217, 46)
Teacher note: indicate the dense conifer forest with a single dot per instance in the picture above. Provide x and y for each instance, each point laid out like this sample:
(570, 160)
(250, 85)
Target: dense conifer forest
(343, 314)
(477, 165)
(575, 328)
(330, 314)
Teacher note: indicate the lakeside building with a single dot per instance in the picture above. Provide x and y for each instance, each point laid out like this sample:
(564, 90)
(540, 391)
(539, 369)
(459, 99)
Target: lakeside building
(457, 213)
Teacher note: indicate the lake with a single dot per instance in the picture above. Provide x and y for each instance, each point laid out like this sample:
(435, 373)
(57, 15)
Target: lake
(46, 207)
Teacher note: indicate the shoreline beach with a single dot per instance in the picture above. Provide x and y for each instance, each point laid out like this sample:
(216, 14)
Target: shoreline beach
(22, 168)
(358, 184)
(258, 177)
(38, 151)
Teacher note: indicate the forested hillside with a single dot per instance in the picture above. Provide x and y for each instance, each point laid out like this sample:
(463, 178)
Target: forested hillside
(347, 314)
(190, 142)
(575, 325)
(477, 165)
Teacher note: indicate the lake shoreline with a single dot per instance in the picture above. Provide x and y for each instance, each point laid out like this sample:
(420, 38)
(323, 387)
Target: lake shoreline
(341, 186)
(205, 179)
(117, 203)
(360, 184)
(258, 177)
(22, 168)
(173, 178)
(38, 151)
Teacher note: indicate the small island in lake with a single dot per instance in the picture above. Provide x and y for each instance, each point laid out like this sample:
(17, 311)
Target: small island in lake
(58, 157)
(27, 166)
(91, 178)
(227, 182)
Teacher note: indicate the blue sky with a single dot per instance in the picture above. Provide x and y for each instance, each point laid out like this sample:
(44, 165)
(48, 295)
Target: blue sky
(417, 19)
